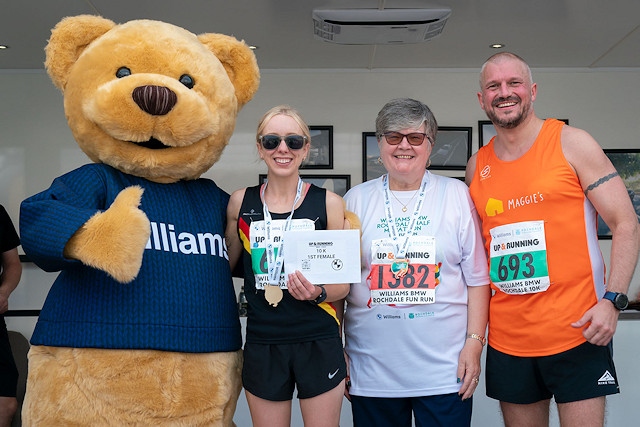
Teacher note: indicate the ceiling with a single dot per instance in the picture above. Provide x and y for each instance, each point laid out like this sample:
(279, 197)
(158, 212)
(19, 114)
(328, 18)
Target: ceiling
(547, 33)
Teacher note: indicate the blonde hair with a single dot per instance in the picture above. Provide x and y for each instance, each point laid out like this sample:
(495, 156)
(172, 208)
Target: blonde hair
(284, 110)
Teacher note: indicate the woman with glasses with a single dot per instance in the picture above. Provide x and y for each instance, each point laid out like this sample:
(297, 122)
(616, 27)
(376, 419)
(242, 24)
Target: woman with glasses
(293, 326)
(415, 325)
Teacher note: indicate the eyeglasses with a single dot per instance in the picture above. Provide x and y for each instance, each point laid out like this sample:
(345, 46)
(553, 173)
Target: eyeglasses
(395, 138)
(271, 141)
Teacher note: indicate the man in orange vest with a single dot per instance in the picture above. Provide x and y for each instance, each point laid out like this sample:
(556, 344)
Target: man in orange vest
(538, 187)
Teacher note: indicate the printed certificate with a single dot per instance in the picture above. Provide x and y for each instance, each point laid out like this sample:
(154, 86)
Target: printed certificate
(323, 256)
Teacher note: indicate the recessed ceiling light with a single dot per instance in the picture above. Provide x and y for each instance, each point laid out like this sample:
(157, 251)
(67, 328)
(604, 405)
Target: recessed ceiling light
(4, 46)
(497, 45)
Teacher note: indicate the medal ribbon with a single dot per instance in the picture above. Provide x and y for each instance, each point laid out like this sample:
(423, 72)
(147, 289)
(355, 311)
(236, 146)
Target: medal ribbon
(275, 263)
(401, 242)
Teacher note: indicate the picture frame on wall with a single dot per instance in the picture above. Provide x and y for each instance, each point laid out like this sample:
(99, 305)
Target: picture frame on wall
(321, 149)
(452, 148)
(372, 168)
(627, 163)
(339, 184)
(486, 131)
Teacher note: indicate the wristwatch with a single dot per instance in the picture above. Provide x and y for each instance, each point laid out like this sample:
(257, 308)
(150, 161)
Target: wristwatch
(322, 296)
(619, 300)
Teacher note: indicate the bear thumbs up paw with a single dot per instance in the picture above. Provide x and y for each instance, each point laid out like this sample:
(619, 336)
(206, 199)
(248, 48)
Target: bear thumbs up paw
(114, 240)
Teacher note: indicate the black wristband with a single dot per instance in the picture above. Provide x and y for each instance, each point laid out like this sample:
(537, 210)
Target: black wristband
(322, 296)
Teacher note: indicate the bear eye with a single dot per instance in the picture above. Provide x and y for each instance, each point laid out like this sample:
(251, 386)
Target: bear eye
(186, 80)
(123, 72)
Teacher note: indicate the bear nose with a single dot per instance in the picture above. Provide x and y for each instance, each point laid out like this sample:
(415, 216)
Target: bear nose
(155, 100)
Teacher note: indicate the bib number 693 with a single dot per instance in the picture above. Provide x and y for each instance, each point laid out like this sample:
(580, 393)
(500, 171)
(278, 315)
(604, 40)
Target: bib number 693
(519, 265)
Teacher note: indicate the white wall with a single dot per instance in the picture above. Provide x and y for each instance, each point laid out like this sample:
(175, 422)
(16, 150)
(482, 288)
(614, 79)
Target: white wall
(36, 146)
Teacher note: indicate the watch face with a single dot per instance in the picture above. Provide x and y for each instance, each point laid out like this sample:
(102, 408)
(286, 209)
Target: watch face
(621, 301)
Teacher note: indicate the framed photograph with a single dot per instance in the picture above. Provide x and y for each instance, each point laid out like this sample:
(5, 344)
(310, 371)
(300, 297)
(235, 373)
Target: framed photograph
(339, 184)
(452, 148)
(486, 131)
(321, 150)
(372, 168)
(627, 163)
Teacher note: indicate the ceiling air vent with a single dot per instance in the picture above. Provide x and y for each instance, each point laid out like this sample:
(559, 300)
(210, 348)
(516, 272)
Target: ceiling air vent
(379, 26)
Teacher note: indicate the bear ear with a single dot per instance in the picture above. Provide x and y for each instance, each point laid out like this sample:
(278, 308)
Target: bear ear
(68, 40)
(239, 62)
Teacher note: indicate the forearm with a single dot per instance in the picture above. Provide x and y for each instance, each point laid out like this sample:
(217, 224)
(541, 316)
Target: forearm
(625, 245)
(478, 309)
(234, 245)
(234, 250)
(11, 272)
(336, 292)
(339, 306)
(9, 282)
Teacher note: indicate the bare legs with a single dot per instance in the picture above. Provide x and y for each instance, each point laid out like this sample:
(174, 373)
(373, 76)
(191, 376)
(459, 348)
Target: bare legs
(319, 411)
(324, 409)
(8, 407)
(583, 413)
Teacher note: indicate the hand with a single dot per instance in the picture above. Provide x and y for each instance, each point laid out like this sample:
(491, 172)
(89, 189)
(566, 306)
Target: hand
(469, 367)
(301, 289)
(601, 321)
(347, 381)
(113, 241)
(4, 303)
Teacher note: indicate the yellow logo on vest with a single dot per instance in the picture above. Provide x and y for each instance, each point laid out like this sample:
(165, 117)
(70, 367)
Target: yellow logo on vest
(494, 207)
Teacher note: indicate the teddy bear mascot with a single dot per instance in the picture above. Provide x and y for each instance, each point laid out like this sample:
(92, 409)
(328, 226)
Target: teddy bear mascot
(141, 325)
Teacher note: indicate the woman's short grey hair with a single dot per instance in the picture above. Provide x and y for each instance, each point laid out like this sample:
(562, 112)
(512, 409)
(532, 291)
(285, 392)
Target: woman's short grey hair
(403, 113)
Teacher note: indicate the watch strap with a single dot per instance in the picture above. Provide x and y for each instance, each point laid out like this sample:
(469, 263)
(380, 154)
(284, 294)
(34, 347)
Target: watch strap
(323, 295)
(618, 299)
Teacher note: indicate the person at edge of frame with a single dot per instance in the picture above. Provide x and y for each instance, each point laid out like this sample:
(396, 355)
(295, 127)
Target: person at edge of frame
(537, 186)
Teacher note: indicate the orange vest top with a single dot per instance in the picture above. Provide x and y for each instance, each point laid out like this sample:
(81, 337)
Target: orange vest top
(540, 186)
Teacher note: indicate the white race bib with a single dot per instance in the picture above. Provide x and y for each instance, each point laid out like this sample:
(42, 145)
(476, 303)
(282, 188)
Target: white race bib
(518, 258)
(409, 280)
(257, 238)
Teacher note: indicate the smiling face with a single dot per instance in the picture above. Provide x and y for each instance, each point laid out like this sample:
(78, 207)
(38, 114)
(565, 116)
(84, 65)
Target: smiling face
(404, 162)
(507, 92)
(283, 161)
(113, 126)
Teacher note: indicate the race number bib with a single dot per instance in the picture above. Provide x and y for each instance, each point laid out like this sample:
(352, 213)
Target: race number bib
(257, 236)
(411, 279)
(518, 258)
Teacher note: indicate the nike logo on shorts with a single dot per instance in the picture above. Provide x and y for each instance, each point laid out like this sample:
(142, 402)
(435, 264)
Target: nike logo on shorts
(331, 375)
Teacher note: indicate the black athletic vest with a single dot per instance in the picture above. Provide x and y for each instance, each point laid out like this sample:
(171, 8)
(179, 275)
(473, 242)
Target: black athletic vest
(292, 320)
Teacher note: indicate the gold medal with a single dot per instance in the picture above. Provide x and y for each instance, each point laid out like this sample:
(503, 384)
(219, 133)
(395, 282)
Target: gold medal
(273, 295)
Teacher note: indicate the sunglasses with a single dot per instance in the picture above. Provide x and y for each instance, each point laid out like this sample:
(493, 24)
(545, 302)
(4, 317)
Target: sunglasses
(395, 138)
(271, 141)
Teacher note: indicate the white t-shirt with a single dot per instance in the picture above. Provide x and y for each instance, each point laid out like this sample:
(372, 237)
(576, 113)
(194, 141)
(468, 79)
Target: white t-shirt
(412, 350)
